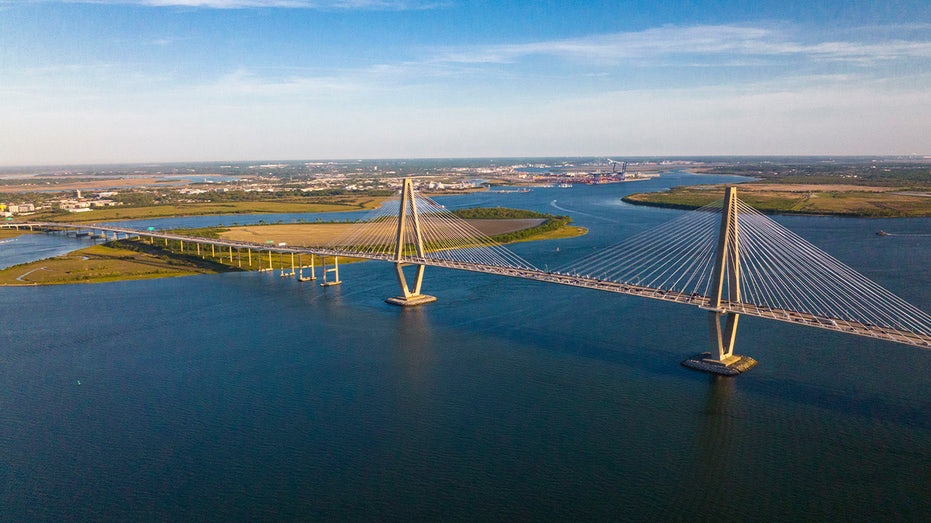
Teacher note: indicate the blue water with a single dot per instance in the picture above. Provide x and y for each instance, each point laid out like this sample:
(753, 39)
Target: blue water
(247, 396)
(30, 247)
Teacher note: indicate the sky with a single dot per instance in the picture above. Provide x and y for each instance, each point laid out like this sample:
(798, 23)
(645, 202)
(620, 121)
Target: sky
(125, 81)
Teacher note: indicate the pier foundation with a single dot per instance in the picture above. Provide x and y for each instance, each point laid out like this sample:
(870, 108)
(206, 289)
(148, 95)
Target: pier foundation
(731, 366)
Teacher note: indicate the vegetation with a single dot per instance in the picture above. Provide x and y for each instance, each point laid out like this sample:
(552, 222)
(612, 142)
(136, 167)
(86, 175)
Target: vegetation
(102, 263)
(869, 187)
(869, 172)
(566, 231)
(807, 199)
(551, 222)
(498, 213)
(205, 232)
(10, 233)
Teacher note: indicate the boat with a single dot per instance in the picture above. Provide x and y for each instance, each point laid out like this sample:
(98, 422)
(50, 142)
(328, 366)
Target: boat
(882, 233)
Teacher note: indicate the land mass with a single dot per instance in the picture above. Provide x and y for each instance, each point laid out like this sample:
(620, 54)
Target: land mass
(133, 260)
(103, 263)
(801, 198)
(848, 186)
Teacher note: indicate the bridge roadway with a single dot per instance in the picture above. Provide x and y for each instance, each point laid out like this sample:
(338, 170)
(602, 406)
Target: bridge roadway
(573, 280)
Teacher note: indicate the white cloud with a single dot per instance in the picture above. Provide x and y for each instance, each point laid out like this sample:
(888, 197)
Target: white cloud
(708, 41)
(243, 82)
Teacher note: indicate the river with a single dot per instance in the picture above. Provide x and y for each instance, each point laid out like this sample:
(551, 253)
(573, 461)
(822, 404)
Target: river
(245, 396)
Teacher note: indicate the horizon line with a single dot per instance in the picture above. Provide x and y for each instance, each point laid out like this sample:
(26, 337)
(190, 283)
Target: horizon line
(912, 156)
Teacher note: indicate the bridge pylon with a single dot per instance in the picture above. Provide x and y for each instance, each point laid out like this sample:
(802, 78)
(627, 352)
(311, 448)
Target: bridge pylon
(722, 323)
(409, 225)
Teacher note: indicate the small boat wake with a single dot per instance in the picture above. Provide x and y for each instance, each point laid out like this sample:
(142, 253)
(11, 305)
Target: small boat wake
(553, 204)
(909, 234)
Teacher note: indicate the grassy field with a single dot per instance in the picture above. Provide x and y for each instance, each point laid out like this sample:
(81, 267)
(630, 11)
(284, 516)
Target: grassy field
(799, 199)
(101, 263)
(326, 234)
(566, 231)
(340, 204)
(10, 233)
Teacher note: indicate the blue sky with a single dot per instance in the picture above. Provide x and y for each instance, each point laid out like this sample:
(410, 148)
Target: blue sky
(187, 80)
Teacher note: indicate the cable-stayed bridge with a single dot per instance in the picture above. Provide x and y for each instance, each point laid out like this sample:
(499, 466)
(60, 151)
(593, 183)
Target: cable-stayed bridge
(725, 258)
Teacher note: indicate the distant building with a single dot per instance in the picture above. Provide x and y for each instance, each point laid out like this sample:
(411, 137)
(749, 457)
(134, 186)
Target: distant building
(104, 203)
(84, 205)
(20, 208)
(75, 205)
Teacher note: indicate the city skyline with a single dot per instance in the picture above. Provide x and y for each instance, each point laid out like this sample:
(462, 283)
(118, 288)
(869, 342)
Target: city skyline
(210, 80)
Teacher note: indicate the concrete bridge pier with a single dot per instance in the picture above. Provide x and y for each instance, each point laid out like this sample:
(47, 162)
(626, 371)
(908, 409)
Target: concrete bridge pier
(300, 275)
(284, 273)
(334, 270)
(270, 263)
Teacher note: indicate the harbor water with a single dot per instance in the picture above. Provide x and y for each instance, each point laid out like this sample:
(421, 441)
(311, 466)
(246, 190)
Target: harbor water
(246, 396)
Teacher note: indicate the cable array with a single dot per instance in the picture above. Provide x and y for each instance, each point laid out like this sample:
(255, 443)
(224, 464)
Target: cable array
(675, 256)
(781, 270)
(444, 236)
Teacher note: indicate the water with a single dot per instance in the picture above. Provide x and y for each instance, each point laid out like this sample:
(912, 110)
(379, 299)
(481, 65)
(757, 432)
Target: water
(248, 396)
(30, 247)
